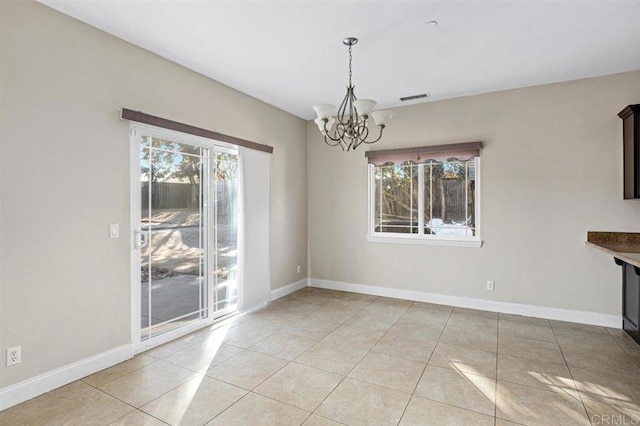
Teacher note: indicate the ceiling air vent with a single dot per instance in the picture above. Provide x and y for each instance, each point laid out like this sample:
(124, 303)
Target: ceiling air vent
(414, 97)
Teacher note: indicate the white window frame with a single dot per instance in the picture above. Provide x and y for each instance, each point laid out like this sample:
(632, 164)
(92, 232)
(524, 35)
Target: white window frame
(423, 239)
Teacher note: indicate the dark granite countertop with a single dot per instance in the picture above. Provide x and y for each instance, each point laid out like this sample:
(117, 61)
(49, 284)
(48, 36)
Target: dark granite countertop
(622, 245)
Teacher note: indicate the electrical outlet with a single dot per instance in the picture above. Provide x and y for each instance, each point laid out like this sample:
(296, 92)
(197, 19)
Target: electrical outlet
(299, 269)
(14, 355)
(491, 285)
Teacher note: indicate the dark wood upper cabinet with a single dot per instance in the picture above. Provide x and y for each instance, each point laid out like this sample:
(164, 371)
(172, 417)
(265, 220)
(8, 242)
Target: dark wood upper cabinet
(631, 137)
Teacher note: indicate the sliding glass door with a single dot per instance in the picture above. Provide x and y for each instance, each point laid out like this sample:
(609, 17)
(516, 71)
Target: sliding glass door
(186, 237)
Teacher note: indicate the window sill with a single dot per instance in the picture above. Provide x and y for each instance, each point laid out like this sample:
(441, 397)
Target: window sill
(425, 241)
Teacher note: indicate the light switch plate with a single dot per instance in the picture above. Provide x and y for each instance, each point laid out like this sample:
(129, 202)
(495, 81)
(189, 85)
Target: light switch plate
(114, 230)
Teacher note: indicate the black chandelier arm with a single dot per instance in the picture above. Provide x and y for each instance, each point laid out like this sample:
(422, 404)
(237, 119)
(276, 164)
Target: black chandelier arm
(339, 139)
(328, 140)
(363, 130)
(341, 131)
(353, 114)
(326, 133)
(342, 108)
(347, 102)
(381, 127)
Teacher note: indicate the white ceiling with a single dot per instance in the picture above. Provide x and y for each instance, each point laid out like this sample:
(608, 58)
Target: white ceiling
(290, 53)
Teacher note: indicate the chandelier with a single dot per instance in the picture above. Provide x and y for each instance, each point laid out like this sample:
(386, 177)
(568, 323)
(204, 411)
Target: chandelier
(351, 119)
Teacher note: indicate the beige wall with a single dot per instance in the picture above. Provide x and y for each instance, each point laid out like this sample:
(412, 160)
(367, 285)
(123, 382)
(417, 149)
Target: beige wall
(65, 177)
(551, 171)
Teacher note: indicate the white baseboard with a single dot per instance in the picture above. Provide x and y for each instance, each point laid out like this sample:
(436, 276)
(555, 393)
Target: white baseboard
(583, 317)
(289, 288)
(30, 388)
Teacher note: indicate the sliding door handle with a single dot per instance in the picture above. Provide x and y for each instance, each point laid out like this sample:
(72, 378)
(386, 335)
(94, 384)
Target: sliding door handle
(140, 239)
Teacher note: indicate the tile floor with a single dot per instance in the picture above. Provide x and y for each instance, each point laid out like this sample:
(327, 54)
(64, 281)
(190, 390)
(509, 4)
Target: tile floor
(319, 357)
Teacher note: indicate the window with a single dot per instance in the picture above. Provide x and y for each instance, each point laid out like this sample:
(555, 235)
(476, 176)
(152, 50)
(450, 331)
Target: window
(425, 195)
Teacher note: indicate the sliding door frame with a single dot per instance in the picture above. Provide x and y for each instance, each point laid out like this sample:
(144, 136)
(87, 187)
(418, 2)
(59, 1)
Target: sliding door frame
(136, 132)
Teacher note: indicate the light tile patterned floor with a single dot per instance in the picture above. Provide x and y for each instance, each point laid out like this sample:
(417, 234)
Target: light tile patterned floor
(319, 357)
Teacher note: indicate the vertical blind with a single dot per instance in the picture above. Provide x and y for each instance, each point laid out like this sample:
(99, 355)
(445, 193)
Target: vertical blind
(255, 196)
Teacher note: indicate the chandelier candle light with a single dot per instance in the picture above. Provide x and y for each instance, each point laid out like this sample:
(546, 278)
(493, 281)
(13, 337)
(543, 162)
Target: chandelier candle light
(350, 119)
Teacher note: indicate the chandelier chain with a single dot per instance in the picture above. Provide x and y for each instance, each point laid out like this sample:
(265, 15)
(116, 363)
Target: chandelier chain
(350, 66)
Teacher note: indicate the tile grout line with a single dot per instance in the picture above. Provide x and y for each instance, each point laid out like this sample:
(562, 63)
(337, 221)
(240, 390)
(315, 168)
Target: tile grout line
(624, 349)
(260, 395)
(105, 393)
(159, 396)
(277, 330)
(426, 365)
(134, 411)
(240, 387)
(119, 377)
(310, 347)
(302, 318)
(284, 329)
(506, 333)
(497, 366)
(132, 406)
(584, 407)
